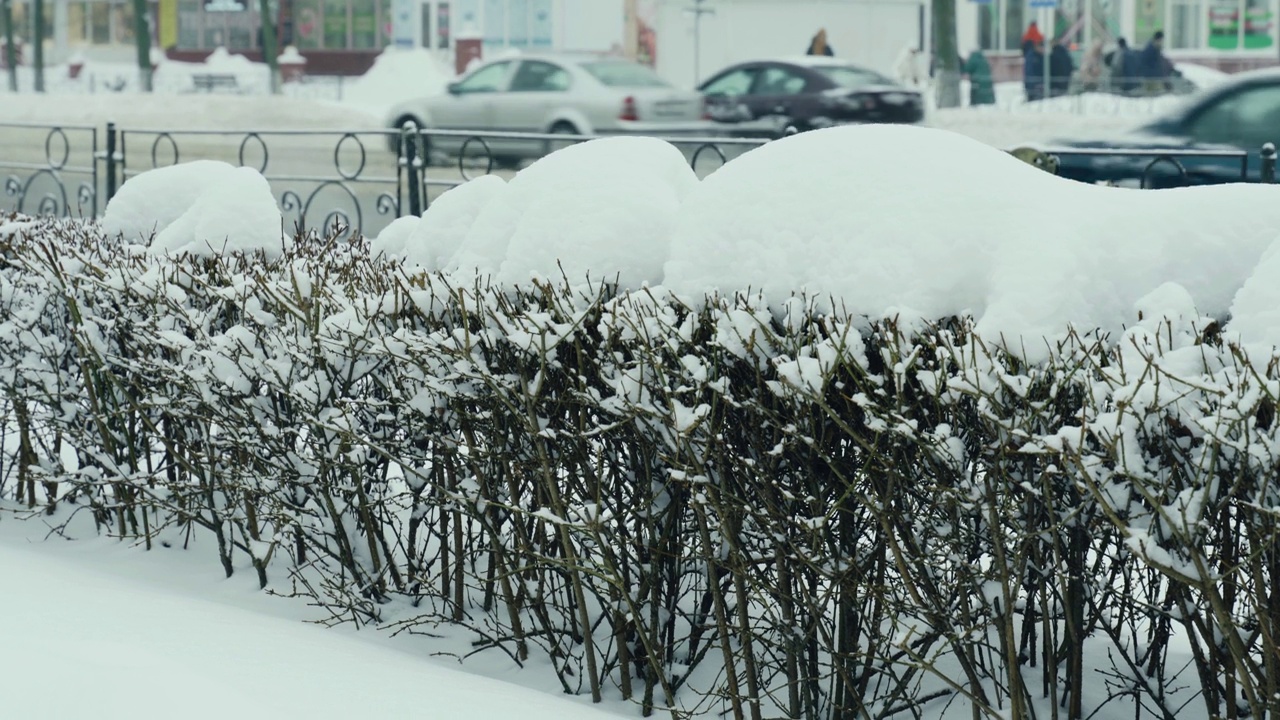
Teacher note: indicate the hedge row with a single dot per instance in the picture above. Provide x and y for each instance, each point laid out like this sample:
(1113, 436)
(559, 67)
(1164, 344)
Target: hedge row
(731, 505)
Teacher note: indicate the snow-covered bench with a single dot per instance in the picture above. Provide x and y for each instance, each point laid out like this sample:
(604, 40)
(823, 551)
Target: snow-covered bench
(209, 82)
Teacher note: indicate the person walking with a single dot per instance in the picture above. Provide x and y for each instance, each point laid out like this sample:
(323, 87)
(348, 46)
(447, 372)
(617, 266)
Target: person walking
(981, 90)
(1154, 67)
(819, 46)
(1033, 61)
(1061, 66)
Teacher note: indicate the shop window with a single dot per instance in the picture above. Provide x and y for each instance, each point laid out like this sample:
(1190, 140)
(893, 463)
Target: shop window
(99, 23)
(122, 24)
(336, 24)
(443, 32)
(1186, 30)
(307, 29)
(364, 24)
(188, 29)
(77, 20)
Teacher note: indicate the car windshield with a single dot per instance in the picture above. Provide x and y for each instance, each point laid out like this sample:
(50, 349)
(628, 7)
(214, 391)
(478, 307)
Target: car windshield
(624, 75)
(852, 77)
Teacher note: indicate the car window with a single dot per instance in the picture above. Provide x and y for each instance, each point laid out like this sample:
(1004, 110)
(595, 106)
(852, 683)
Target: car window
(1247, 119)
(779, 81)
(487, 79)
(732, 83)
(624, 74)
(539, 76)
(853, 77)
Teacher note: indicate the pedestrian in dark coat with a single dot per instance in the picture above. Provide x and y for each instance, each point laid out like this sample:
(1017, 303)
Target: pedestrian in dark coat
(1033, 71)
(1060, 68)
(1153, 67)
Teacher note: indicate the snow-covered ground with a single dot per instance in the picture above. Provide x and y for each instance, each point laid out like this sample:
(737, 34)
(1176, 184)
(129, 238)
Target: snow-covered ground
(86, 624)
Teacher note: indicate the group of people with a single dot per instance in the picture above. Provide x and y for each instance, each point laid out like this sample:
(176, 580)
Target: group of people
(1120, 70)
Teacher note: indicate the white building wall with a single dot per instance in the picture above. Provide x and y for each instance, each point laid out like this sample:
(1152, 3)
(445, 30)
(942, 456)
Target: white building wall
(871, 33)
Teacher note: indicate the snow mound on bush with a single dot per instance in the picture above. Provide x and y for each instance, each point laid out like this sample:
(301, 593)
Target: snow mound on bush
(888, 220)
(447, 221)
(1255, 310)
(603, 208)
(148, 203)
(237, 214)
(394, 237)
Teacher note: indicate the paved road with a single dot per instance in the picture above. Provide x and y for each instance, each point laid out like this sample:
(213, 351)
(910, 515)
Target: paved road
(316, 174)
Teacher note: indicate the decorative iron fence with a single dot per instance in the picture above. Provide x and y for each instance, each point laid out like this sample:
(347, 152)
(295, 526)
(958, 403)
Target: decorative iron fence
(320, 178)
(361, 180)
(49, 170)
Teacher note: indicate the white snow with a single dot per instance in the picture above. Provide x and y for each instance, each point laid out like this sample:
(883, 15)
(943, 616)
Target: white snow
(149, 202)
(931, 224)
(397, 74)
(603, 208)
(447, 221)
(237, 213)
(95, 626)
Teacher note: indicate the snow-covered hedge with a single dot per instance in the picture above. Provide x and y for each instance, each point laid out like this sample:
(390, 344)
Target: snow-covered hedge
(732, 506)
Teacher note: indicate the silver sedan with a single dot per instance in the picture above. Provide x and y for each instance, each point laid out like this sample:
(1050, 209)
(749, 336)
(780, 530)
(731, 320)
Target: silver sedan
(552, 95)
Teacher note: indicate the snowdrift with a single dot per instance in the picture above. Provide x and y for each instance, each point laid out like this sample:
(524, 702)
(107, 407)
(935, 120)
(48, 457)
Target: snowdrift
(878, 221)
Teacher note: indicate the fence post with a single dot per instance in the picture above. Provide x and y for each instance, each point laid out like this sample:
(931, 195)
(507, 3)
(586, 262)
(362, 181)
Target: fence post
(111, 160)
(1269, 163)
(409, 159)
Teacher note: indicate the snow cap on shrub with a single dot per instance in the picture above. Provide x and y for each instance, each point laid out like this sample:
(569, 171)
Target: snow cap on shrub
(894, 220)
(238, 214)
(148, 203)
(447, 221)
(603, 208)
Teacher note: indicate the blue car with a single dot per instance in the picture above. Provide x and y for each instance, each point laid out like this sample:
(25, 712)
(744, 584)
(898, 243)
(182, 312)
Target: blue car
(1216, 136)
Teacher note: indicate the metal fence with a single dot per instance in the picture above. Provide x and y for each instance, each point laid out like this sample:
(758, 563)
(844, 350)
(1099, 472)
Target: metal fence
(360, 181)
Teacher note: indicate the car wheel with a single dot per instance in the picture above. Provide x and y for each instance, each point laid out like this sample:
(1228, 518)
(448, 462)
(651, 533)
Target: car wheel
(562, 128)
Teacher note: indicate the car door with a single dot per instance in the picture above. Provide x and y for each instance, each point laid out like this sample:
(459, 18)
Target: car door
(727, 93)
(779, 93)
(1246, 119)
(537, 88)
(469, 103)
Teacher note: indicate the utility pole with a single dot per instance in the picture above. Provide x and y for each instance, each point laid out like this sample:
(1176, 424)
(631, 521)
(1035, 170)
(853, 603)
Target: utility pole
(946, 58)
(10, 52)
(37, 44)
(698, 10)
(269, 44)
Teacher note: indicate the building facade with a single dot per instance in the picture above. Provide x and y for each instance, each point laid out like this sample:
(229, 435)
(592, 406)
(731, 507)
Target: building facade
(1230, 35)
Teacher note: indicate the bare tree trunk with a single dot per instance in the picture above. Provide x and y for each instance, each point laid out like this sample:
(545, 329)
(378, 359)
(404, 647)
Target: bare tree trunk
(946, 57)
(142, 34)
(269, 44)
(10, 50)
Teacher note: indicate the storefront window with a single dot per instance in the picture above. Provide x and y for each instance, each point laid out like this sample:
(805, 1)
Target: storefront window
(76, 20)
(1258, 22)
(122, 24)
(364, 24)
(443, 32)
(99, 23)
(335, 24)
(1014, 25)
(306, 29)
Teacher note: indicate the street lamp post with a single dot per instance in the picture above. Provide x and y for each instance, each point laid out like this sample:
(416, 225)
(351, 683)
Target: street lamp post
(698, 9)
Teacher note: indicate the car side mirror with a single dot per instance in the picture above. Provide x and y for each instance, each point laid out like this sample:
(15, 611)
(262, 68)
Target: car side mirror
(453, 88)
